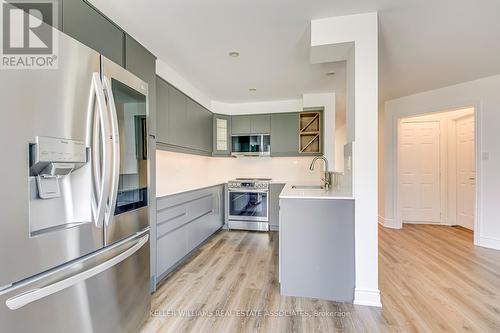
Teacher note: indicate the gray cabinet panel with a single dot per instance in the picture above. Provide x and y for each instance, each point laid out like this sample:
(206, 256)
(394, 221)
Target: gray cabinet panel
(274, 206)
(178, 124)
(88, 26)
(139, 60)
(162, 110)
(241, 124)
(199, 127)
(184, 221)
(251, 124)
(194, 125)
(285, 134)
(260, 124)
(207, 130)
(316, 249)
(171, 248)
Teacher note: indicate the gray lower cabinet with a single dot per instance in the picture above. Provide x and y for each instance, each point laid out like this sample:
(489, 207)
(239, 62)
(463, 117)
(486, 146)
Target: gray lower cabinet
(251, 124)
(316, 248)
(85, 24)
(184, 221)
(274, 206)
(285, 134)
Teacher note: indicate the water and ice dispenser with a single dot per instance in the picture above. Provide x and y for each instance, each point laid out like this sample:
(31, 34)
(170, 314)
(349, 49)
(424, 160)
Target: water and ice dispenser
(60, 183)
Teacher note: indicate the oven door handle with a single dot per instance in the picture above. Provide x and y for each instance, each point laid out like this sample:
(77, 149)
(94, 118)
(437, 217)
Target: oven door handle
(248, 191)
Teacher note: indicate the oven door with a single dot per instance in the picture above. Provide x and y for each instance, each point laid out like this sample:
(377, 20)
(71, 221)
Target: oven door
(248, 205)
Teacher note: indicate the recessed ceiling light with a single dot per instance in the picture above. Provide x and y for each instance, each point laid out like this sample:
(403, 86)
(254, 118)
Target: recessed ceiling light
(252, 89)
(234, 54)
(330, 74)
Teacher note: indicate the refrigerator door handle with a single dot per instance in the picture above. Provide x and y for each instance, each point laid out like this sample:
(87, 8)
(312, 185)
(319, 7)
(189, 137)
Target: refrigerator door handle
(33, 295)
(98, 134)
(115, 175)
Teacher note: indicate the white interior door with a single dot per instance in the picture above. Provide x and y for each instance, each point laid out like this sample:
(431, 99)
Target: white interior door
(419, 172)
(466, 172)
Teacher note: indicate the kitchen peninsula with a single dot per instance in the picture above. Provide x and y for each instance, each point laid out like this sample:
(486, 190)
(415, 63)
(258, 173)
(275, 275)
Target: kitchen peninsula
(316, 242)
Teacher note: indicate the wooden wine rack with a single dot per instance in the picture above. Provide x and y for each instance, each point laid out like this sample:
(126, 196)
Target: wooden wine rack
(310, 132)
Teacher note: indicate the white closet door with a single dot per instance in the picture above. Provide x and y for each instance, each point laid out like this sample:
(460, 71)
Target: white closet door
(419, 172)
(466, 172)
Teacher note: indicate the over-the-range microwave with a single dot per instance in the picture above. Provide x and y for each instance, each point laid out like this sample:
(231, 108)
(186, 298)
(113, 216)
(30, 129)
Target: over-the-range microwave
(251, 145)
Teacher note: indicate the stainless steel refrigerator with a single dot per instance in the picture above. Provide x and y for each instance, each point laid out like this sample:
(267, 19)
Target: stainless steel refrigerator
(74, 194)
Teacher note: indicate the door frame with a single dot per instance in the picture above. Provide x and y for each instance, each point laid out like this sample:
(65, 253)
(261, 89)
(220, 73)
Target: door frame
(398, 223)
(456, 165)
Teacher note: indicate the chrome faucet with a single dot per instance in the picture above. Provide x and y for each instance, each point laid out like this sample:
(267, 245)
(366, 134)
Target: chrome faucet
(327, 179)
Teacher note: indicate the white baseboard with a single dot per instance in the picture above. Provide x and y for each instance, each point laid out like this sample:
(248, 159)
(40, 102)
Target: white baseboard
(367, 297)
(388, 223)
(488, 242)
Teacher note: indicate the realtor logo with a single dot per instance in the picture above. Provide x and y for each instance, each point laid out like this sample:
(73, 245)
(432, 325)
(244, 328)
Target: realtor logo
(28, 39)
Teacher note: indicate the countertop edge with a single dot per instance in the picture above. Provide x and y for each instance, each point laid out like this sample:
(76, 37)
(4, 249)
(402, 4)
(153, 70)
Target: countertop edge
(315, 198)
(330, 196)
(163, 195)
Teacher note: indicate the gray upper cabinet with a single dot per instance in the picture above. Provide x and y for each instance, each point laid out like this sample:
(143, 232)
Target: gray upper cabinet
(182, 124)
(241, 125)
(161, 110)
(208, 133)
(199, 126)
(178, 125)
(221, 135)
(87, 25)
(260, 124)
(142, 63)
(251, 124)
(285, 134)
(139, 60)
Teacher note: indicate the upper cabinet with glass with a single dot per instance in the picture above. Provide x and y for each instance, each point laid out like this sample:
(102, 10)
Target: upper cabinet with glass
(222, 131)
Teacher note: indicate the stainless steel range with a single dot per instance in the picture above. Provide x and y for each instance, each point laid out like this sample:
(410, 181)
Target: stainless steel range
(248, 204)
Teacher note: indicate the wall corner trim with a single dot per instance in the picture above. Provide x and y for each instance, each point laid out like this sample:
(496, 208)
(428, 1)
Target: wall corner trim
(388, 223)
(367, 297)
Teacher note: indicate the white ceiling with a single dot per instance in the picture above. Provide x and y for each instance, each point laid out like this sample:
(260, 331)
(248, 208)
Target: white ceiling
(423, 44)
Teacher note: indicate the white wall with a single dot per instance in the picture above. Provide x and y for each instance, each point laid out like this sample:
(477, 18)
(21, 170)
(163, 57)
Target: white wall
(327, 101)
(291, 105)
(484, 94)
(340, 141)
(180, 172)
(362, 30)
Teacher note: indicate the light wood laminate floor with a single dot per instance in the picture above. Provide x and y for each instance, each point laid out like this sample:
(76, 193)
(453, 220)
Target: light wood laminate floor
(432, 280)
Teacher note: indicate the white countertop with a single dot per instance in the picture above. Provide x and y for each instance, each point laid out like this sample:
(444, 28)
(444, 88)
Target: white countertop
(333, 193)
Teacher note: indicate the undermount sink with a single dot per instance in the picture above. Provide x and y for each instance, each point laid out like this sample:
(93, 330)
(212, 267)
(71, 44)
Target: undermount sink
(307, 187)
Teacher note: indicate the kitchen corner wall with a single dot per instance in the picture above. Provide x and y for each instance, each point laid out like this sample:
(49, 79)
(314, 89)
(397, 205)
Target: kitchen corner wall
(180, 172)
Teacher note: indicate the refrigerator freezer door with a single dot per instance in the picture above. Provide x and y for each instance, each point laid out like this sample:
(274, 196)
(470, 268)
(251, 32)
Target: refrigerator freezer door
(38, 234)
(127, 98)
(104, 292)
